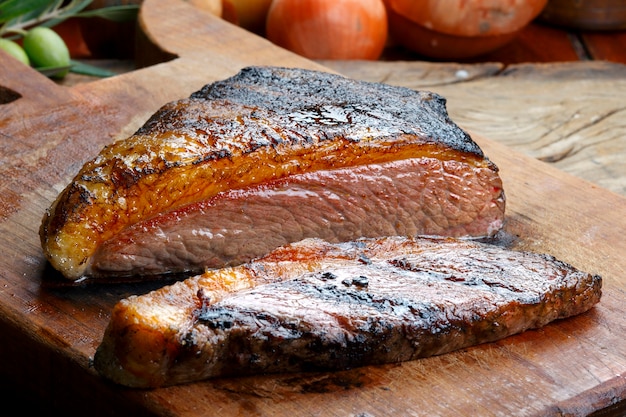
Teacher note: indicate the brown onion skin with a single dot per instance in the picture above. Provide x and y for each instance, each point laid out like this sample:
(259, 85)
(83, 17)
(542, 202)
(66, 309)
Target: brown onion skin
(469, 18)
(329, 29)
(441, 46)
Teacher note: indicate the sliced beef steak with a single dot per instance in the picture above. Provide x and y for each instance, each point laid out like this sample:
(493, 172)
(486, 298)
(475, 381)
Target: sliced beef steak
(314, 305)
(267, 157)
(407, 197)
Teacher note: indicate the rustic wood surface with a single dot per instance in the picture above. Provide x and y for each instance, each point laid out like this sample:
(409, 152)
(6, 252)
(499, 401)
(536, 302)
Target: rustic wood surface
(48, 333)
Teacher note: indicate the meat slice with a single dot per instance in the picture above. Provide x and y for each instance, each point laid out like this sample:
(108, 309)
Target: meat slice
(267, 157)
(314, 305)
(407, 197)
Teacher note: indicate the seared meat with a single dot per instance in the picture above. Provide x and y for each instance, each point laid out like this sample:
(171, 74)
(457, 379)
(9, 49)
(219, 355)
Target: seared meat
(267, 157)
(407, 197)
(313, 305)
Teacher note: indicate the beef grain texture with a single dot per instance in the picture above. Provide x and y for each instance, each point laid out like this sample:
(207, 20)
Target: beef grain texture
(318, 306)
(265, 158)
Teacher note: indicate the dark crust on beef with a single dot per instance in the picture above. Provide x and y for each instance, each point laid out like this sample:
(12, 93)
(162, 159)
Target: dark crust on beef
(330, 100)
(319, 306)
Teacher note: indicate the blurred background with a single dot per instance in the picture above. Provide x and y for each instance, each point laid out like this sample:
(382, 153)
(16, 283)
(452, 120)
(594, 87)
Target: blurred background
(102, 34)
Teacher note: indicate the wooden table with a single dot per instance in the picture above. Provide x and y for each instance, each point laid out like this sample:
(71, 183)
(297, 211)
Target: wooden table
(567, 114)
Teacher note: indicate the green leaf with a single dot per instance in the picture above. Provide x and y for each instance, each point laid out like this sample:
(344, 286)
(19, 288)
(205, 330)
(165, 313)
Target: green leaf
(33, 13)
(52, 71)
(69, 10)
(86, 69)
(123, 13)
(11, 9)
(77, 67)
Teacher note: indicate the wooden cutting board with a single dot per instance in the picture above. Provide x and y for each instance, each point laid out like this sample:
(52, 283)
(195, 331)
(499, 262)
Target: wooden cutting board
(49, 333)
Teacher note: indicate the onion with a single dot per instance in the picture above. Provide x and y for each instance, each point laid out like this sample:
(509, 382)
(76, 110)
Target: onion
(458, 29)
(469, 18)
(249, 14)
(329, 29)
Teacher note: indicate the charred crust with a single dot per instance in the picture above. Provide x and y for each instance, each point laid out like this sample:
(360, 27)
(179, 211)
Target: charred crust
(72, 202)
(328, 275)
(217, 318)
(123, 177)
(359, 282)
(355, 319)
(304, 97)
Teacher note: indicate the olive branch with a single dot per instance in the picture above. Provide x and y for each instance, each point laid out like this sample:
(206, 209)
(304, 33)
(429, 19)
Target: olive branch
(17, 16)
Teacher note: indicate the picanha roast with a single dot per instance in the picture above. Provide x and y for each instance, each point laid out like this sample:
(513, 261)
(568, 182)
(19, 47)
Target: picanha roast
(315, 222)
(269, 157)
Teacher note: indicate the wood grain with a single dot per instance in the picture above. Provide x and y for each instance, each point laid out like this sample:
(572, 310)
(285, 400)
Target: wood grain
(49, 332)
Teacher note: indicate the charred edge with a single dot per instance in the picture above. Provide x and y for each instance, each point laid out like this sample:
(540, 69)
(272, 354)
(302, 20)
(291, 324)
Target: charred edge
(279, 88)
(73, 201)
(213, 156)
(428, 329)
(124, 177)
(167, 112)
(314, 351)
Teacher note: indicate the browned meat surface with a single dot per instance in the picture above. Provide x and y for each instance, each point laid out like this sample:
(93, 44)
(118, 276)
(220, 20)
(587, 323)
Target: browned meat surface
(318, 306)
(268, 157)
(394, 198)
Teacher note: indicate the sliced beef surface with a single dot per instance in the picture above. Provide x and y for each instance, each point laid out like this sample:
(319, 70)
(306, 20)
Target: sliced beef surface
(407, 197)
(320, 306)
(239, 136)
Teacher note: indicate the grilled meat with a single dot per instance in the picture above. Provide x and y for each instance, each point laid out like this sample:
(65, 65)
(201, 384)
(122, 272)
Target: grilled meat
(314, 305)
(268, 157)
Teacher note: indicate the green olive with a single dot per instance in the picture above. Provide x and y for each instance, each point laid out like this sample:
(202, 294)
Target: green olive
(14, 50)
(46, 49)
